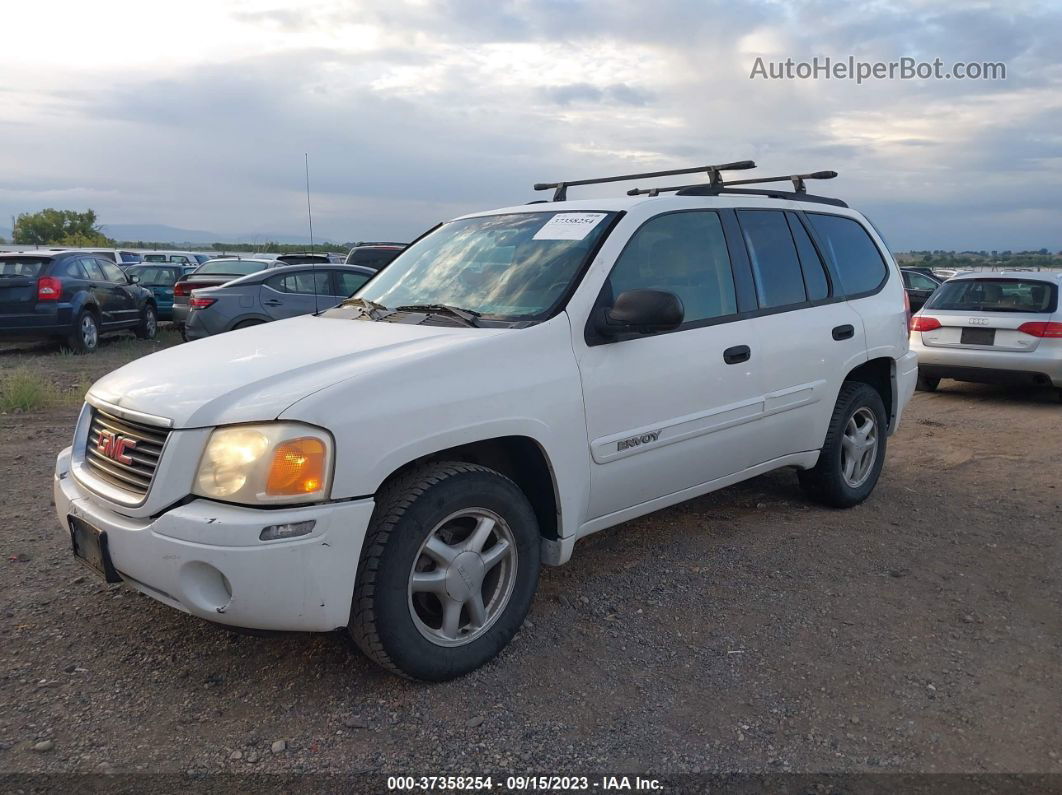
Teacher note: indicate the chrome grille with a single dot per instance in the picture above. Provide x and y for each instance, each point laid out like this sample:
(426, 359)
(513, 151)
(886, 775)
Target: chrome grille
(134, 477)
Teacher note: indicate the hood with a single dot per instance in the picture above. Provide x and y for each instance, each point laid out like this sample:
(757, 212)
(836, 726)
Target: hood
(255, 373)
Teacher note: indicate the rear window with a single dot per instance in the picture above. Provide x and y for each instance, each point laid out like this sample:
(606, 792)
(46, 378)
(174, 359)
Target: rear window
(996, 295)
(226, 266)
(374, 258)
(154, 258)
(130, 257)
(302, 259)
(855, 257)
(155, 277)
(21, 267)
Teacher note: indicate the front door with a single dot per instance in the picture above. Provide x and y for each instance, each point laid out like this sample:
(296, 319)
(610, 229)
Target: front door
(670, 411)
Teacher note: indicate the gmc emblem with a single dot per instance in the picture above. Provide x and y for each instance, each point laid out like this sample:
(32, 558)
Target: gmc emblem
(114, 446)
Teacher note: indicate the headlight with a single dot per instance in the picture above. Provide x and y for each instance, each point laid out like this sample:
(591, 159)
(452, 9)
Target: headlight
(269, 463)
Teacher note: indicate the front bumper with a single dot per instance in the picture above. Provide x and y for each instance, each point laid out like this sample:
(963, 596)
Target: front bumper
(205, 557)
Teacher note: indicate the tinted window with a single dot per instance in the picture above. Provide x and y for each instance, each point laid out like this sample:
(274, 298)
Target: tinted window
(130, 257)
(996, 295)
(73, 269)
(301, 283)
(815, 282)
(775, 266)
(916, 281)
(855, 257)
(302, 259)
(21, 267)
(111, 271)
(154, 258)
(683, 253)
(374, 258)
(155, 277)
(348, 283)
(93, 269)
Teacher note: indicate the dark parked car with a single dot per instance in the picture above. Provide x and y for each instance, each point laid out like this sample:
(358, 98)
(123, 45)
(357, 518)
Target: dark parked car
(160, 278)
(211, 274)
(71, 296)
(919, 286)
(303, 259)
(271, 295)
(374, 255)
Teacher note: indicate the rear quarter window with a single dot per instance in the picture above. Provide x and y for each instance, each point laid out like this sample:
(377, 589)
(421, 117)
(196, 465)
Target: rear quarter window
(856, 259)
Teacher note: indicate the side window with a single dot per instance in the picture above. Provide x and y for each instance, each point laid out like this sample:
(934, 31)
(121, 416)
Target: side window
(179, 258)
(775, 266)
(73, 269)
(815, 281)
(277, 283)
(112, 272)
(920, 282)
(349, 283)
(855, 257)
(93, 269)
(303, 282)
(683, 253)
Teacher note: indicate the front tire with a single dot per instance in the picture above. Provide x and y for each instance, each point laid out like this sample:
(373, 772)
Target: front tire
(85, 338)
(447, 573)
(149, 323)
(854, 451)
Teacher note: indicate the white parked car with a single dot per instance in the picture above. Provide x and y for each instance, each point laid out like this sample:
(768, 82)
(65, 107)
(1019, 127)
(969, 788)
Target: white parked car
(178, 257)
(517, 379)
(1002, 328)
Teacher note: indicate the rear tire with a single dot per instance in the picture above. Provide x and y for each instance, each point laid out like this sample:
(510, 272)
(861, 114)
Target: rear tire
(927, 384)
(447, 573)
(85, 338)
(854, 451)
(247, 324)
(149, 323)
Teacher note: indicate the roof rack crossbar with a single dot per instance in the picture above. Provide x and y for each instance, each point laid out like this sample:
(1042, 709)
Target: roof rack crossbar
(560, 189)
(796, 179)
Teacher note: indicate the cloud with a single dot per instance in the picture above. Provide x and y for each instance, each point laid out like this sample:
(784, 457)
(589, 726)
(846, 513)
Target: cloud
(416, 112)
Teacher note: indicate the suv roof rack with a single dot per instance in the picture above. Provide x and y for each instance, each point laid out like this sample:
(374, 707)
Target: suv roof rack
(560, 189)
(799, 192)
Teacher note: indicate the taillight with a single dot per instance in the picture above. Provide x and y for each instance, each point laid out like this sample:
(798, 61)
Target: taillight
(920, 323)
(1041, 329)
(907, 308)
(49, 288)
(181, 288)
(201, 303)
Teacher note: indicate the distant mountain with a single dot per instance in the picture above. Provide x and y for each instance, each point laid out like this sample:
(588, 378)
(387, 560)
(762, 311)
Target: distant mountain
(162, 233)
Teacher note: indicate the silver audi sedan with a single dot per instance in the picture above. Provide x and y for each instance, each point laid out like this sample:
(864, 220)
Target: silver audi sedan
(997, 328)
(272, 294)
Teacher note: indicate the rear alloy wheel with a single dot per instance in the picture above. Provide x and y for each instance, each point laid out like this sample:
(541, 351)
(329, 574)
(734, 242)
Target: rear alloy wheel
(85, 337)
(448, 570)
(149, 323)
(853, 454)
(927, 384)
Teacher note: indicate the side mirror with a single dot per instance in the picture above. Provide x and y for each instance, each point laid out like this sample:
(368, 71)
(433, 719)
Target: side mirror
(133, 279)
(641, 312)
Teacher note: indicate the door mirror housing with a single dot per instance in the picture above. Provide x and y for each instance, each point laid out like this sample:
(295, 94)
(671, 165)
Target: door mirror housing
(133, 279)
(641, 312)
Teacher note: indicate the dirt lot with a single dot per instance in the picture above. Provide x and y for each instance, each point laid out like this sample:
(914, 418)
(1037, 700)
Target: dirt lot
(743, 631)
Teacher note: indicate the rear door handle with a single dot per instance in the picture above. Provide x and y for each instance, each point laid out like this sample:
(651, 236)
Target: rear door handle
(737, 354)
(845, 332)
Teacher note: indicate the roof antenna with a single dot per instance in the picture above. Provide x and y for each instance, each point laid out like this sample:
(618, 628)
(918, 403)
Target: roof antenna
(309, 219)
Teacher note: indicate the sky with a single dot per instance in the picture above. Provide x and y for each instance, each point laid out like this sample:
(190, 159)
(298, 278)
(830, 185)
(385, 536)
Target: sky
(197, 114)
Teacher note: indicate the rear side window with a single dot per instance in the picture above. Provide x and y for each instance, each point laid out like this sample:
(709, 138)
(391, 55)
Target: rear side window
(301, 283)
(775, 265)
(683, 253)
(73, 269)
(815, 281)
(349, 283)
(996, 295)
(856, 259)
(111, 271)
(21, 267)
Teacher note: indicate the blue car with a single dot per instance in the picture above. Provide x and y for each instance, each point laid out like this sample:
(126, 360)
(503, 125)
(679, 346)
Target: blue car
(160, 278)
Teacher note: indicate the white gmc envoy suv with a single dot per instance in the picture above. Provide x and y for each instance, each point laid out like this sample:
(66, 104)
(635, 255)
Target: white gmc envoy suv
(402, 464)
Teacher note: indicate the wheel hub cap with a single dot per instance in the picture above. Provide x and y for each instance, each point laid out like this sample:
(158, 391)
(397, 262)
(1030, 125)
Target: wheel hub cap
(462, 577)
(859, 447)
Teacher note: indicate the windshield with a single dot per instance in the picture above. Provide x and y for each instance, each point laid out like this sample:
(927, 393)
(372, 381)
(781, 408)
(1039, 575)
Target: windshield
(995, 295)
(241, 266)
(506, 267)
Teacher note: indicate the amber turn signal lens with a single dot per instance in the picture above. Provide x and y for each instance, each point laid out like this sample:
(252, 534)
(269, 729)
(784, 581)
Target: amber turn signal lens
(298, 467)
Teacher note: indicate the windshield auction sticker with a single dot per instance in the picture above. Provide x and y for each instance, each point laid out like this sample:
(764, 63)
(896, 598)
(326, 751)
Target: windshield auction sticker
(568, 226)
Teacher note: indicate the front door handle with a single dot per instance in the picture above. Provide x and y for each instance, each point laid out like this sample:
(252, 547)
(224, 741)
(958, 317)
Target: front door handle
(737, 354)
(845, 332)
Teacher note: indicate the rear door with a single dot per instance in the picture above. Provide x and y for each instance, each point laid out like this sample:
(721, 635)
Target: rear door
(809, 336)
(919, 288)
(988, 313)
(18, 283)
(297, 293)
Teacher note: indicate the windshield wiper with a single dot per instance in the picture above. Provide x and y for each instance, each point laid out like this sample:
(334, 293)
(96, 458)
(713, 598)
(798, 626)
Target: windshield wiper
(467, 316)
(369, 308)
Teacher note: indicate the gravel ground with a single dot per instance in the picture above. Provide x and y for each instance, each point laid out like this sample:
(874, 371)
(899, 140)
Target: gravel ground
(743, 631)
